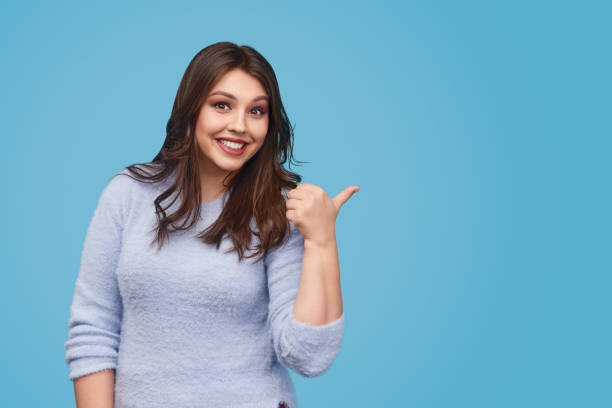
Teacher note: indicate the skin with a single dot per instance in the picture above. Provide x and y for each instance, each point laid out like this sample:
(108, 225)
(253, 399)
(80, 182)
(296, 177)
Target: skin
(95, 390)
(241, 117)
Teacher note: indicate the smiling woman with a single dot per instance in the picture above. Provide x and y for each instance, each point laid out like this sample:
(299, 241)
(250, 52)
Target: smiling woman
(189, 322)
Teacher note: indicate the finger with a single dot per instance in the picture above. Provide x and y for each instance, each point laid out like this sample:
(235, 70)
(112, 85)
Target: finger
(308, 187)
(298, 194)
(344, 195)
(291, 215)
(305, 185)
(292, 204)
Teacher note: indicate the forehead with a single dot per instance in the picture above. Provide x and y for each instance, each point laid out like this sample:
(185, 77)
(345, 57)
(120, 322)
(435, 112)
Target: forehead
(240, 84)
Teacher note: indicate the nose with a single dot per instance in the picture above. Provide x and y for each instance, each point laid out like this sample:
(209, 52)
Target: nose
(237, 123)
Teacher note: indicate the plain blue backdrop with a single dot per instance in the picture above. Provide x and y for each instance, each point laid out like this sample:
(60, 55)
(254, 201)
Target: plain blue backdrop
(475, 260)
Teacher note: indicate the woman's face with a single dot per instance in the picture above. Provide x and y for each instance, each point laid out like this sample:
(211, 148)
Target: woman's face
(236, 110)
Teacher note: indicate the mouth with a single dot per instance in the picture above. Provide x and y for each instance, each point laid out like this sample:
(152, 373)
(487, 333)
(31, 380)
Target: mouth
(231, 147)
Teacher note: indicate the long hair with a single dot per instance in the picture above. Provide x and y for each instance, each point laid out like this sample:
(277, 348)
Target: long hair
(256, 189)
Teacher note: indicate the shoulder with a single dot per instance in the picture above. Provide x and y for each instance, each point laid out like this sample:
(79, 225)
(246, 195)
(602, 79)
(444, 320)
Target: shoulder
(119, 184)
(123, 191)
(122, 186)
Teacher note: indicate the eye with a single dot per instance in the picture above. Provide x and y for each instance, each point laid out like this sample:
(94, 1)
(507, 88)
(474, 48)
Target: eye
(221, 105)
(216, 104)
(261, 111)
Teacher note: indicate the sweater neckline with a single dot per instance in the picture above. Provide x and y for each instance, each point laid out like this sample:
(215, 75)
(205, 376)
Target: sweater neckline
(216, 201)
(213, 203)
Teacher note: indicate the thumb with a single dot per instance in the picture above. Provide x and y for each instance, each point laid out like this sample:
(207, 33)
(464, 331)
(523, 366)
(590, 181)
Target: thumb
(344, 195)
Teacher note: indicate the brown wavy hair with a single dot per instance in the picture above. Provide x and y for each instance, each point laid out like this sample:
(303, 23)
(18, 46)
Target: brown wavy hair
(255, 189)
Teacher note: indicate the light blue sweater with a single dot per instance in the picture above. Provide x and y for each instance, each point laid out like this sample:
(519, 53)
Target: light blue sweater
(188, 326)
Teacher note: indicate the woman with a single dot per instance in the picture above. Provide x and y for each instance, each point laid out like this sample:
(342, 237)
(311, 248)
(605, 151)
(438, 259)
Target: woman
(208, 272)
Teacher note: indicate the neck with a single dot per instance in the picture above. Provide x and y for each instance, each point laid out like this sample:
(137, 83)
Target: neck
(211, 181)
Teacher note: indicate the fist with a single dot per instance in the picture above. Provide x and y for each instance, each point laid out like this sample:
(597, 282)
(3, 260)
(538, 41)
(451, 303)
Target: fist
(314, 213)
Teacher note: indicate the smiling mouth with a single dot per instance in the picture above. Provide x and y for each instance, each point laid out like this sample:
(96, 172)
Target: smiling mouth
(234, 144)
(232, 148)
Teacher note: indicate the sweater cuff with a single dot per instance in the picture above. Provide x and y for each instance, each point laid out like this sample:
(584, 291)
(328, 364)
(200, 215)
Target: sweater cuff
(315, 340)
(89, 365)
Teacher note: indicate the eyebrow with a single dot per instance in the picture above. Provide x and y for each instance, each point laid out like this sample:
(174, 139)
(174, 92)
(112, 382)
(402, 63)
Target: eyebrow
(229, 95)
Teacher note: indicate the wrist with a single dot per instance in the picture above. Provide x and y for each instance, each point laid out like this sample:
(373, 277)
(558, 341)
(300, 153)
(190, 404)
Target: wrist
(327, 242)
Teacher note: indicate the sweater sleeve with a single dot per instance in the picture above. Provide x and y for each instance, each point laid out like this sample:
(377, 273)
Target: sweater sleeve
(306, 349)
(95, 313)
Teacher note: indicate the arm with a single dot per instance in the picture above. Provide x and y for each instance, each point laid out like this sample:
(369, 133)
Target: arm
(308, 321)
(319, 297)
(95, 314)
(308, 349)
(96, 390)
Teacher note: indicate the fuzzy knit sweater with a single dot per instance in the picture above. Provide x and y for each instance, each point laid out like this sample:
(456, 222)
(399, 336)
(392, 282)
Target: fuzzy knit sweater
(188, 325)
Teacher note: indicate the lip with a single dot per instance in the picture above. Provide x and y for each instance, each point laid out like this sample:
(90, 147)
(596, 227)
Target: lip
(231, 139)
(230, 151)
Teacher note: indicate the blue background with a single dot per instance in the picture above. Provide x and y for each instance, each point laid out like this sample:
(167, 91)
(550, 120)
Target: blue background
(475, 260)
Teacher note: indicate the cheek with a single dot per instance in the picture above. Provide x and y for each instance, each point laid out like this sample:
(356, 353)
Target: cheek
(260, 130)
(209, 124)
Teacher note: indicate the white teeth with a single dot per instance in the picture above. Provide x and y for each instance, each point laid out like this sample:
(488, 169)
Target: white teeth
(232, 145)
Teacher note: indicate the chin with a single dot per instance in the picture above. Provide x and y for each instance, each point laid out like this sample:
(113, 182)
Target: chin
(230, 167)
